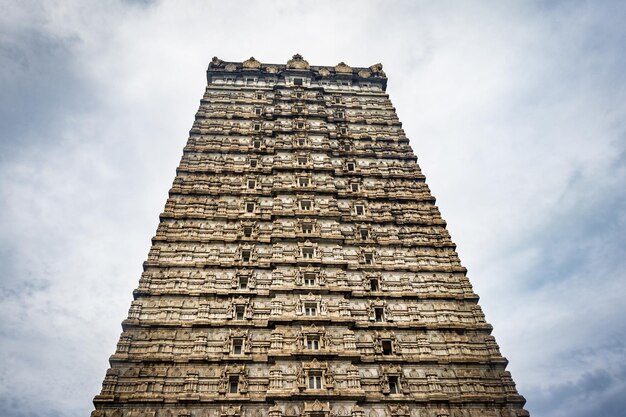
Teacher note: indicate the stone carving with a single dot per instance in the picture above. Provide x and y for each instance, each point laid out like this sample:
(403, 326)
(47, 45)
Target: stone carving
(342, 68)
(301, 267)
(251, 63)
(297, 62)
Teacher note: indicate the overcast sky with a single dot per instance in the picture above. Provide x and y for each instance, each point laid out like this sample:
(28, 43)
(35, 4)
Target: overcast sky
(516, 110)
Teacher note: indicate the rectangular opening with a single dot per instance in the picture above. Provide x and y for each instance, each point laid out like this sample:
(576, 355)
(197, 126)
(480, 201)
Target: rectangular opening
(340, 114)
(297, 81)
(254, 163)
(307, 228)
(299, 109)
(364, 233)
(257, 126)
(337, 100)
(240, 312)
(259, 96)
(350, 166)
(343, 130)
(368, 258)
(315, 379)
(393, 385)
(309, 278)
(313, 342)
(354, 187)
(374, 285)
(256, 144)
(247, 231)
(298, 94)
(258, 111)
(300, 125)
(387, 347)
(379, 314)
(347, 147)
(250, 207)
(245, 255)
(302, 160)
(310, 309)
(237, 346)
(305, 204)
(243, 282)
(251, 184)
(301, 141)
(303, 182)
(307, 253)
(233, 384)
(359, 209)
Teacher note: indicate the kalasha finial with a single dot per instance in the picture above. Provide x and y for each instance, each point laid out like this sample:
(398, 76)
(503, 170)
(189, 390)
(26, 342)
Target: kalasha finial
(251, 63)
(215, 62)
(297, 62)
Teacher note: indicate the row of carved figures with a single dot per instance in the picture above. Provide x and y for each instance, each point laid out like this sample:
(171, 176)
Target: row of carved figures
(317, 409)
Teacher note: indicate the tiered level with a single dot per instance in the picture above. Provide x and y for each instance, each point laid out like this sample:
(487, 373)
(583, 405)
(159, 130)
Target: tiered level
(301, 267)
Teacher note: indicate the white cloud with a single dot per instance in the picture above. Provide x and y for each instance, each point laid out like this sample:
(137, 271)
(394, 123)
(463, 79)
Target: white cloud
(515, 109)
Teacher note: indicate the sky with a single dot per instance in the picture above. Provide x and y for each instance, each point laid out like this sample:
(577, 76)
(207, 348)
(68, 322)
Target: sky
(515, 109)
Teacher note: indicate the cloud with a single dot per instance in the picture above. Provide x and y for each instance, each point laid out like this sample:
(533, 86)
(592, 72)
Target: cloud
(515, 110)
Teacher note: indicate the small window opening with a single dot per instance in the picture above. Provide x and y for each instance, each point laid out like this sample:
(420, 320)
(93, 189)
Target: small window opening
(364, 233)
(302, 160)
(247, 231)
(303, 182)
(237, 346)
(374, 285)
(243, 282)
(368, 257)
(245, 255)
(350, 166)
(254, 163)
(309, 278)
(307, 253)
(310, 309)
(359, 209)
(307, 228)
(233, 384)
(258, 111)
(249, 207)
(256, 144)
(297, 81)
(251, 184)
(355, 187)
(393, 385)
(315, 379)
(313, 342)
(379, 314)
(305, 205)
(257, 126)
(387, 347)
(240, 312)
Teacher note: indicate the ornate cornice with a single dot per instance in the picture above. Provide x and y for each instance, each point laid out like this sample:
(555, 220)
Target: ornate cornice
(298, 65)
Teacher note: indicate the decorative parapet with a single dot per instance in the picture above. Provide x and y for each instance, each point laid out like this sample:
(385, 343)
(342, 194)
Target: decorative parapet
(298, 67)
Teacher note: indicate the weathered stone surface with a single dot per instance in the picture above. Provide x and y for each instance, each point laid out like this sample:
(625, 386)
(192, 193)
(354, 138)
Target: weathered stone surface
(302, 268)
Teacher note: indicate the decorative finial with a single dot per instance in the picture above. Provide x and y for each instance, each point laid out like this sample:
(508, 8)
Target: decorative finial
(297, 62)
(251, 63)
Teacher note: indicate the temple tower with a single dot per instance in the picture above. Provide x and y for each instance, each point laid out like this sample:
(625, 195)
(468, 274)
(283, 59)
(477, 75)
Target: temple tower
(301, 267)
